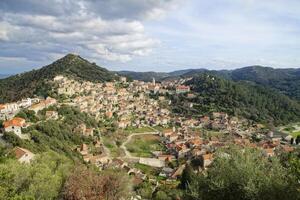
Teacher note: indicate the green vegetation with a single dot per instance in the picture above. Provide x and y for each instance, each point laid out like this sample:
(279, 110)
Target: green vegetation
(287, 81)
(143, 145)
(138, 130)
(150, 171)
(295, 134)
(54, 135)
(36, 82)
(53, 176)
(43, 179)
(114, 149)
(239, 99)
(28, 115)
(244, 174)
(289, 129)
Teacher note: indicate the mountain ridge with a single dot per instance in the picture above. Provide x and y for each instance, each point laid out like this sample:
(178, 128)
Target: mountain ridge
(284, 80)
(35, 82)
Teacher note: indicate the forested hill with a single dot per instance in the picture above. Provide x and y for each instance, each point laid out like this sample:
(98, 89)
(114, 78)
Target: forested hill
(243, 99)
(287, 81)
(35, 82)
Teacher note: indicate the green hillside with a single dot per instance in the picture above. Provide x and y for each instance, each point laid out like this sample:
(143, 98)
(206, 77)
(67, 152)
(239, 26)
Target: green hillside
(287, 81)
(36, 81)
(238, 98)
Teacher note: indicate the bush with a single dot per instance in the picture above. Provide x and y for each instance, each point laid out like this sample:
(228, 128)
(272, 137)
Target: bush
(87, 184)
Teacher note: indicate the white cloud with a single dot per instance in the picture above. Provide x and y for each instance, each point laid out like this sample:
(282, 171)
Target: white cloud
(83, 26)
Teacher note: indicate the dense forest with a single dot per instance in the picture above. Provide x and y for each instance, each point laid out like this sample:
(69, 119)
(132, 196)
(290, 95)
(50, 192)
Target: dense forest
(36, 82)
(251, 101)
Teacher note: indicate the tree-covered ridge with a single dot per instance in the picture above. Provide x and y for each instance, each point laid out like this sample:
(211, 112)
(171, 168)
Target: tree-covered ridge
(240, 99)
(287, 81)
(36, 81)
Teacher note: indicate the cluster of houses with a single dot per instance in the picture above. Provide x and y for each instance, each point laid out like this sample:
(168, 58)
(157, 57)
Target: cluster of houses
(125, 103)
(129, 104)
(9, 110)
(187, 142)
(15, 124)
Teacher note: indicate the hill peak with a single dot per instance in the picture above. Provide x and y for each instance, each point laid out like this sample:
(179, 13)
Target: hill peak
(36, 81)
(71, 58)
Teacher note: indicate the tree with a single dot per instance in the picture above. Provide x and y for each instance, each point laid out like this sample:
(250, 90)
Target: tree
(161, 195)
(187, 177)
(42, 179)
(88, 184)
(298, 139)
(244, 174)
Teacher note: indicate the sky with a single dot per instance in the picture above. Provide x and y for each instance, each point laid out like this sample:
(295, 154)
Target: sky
(150, 35)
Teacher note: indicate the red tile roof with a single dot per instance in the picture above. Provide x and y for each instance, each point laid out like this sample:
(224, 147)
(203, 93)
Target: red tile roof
(17, 121)
(19, 152)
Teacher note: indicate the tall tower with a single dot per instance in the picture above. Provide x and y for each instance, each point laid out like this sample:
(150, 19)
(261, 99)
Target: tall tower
(153, 81)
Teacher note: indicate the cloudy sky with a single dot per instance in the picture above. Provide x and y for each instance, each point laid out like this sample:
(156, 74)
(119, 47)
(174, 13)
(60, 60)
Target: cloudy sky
(145, 35)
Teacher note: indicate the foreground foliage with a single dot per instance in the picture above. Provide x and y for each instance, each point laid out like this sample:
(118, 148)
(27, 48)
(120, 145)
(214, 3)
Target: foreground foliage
(43, 179)
(88, 184)
(244, 174)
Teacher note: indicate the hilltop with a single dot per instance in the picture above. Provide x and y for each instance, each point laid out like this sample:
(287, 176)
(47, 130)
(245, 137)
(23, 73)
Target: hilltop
(36, 82)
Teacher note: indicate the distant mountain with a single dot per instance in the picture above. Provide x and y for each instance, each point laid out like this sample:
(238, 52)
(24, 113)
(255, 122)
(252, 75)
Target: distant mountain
(159, 76)
(249, 100)
(4, 76)
(186, 71)
(37, 81)
(286, 81)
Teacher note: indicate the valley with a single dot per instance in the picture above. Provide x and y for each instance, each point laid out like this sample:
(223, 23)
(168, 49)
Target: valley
(152, 132)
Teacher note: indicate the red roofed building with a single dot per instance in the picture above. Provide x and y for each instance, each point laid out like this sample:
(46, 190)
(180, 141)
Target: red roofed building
(23, 155)
(15, 125)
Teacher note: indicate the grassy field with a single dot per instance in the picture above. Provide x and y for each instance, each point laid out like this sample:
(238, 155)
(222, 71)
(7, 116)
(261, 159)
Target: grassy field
(143, 145)
(160, 128)
(295, 134)
(137, 130)
(146, 169)
(291, 129)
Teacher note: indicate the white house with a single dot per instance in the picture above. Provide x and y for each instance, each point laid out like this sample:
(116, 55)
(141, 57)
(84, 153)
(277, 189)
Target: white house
(15, 125)
(23, 155)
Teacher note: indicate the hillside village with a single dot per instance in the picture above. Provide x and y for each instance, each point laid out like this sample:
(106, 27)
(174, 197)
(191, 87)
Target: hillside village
(136, 105)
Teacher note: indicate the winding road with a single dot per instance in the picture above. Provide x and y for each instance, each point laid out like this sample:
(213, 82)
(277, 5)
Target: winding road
(123, 146)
